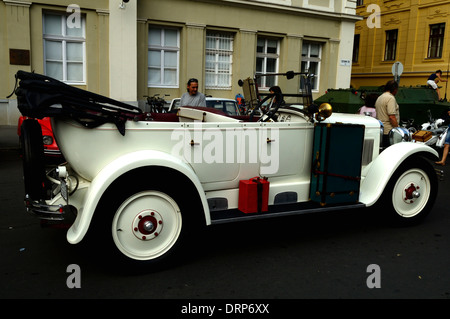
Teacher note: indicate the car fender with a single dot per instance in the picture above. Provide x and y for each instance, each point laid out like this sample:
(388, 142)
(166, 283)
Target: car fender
(117, 168)
(383, 167)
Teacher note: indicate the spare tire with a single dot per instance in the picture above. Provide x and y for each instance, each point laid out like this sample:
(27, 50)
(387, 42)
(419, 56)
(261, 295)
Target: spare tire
(32, 149)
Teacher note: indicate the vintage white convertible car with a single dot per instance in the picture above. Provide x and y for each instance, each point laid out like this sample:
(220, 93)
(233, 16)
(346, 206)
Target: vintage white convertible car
(146, 182)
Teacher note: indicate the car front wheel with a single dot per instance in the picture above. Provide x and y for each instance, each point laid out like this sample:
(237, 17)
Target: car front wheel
(411, 192)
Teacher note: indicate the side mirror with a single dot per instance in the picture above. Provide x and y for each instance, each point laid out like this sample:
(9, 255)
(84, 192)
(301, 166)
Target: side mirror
(290, 75)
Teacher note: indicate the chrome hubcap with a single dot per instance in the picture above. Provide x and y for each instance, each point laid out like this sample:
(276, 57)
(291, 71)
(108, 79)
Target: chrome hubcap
(147, 225)
(411, 193)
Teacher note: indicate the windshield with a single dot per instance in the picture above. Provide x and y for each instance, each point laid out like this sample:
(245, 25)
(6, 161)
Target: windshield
(229, 107)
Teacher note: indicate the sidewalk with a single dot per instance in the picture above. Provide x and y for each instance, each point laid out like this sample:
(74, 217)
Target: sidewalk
(8, 137)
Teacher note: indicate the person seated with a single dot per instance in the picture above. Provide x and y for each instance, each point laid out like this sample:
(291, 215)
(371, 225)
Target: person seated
(369, 107)
(276, 90)
(192, 97)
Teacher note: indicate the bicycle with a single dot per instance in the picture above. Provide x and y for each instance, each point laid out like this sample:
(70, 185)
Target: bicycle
(156, 103)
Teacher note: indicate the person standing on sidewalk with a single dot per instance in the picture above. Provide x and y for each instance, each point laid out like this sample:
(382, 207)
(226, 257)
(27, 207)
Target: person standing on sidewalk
(388, 111)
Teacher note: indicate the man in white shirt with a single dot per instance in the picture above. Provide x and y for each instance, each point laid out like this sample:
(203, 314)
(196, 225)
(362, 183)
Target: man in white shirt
(388, 111)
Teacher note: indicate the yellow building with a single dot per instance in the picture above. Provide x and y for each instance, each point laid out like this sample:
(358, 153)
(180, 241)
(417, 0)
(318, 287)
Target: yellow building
(129, 49)
(415, 33)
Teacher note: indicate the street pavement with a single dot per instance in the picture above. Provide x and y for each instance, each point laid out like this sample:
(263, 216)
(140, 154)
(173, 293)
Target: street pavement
(325, 256)
(9, 139)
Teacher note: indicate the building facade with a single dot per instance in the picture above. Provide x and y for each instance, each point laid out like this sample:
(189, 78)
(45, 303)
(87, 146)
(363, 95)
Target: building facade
(415, 33)
(130, 49)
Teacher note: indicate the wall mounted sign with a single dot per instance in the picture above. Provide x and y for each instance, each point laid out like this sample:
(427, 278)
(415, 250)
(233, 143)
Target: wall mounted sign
(19, 57)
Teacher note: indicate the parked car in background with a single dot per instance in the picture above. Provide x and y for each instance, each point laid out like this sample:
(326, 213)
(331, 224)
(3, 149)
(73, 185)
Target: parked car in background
(51, 149)
(228, 106)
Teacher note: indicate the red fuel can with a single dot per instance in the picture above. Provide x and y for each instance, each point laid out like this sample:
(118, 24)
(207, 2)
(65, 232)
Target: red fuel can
(253, 195)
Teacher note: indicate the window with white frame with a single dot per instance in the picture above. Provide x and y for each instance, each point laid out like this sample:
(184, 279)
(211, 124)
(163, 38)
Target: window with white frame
(64, 48)
(311, 60)
(163, 57)
(219, 60)
(267, 59)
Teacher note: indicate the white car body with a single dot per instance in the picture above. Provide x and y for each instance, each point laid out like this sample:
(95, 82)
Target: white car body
(103, 155)
(164, 175)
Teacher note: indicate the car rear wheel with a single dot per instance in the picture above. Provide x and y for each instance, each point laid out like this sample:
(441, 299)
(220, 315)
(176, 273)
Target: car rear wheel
(145, 219)
(147, 225)
(411, 192)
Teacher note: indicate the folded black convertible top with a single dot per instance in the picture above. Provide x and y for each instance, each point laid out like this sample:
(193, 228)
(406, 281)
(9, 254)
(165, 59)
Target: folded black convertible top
(41, 96)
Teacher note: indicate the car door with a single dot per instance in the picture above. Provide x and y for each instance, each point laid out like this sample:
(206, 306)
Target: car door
(212, 150)
(285, 149)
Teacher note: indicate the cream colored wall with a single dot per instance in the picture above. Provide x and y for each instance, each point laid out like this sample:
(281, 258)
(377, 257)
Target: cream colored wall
(17, 36)
(15, 28)
(21, 28)
(123, 50)
(116, 40)
(291, 27)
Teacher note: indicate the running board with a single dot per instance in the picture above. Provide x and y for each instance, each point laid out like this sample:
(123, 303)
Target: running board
(235, 215)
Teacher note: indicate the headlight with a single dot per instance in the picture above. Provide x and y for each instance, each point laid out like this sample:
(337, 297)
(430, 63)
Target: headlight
(47, 140)
(399, 134)
(325, 111)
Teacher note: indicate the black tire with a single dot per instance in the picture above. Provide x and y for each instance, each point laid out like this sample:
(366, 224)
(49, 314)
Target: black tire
(130, 203)
(411, 192)
(32, 151)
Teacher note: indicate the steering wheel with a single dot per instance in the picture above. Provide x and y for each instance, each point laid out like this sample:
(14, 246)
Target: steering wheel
(269, 113)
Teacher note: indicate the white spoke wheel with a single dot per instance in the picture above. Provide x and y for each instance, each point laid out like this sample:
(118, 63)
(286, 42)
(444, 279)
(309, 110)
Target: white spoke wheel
(146, 222)
(411, 192)
(147, 225)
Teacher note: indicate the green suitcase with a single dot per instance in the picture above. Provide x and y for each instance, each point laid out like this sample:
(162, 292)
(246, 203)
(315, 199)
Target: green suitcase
(336, 163)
